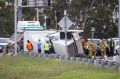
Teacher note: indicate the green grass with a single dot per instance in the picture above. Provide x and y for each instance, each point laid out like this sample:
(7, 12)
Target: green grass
(39, 68)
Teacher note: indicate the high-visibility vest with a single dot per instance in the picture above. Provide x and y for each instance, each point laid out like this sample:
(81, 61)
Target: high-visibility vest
(46, 46)
(106, 45)
(29, 46)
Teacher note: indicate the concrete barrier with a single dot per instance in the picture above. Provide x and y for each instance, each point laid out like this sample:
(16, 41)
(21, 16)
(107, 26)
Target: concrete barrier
(109, 64)
(55, 56)
(51, 56)
(84, 60)
(115, 65)
(35, 54)
(96, 62)
(72, 58)
(66, 58)
(78, 59)
(61, 57)
(90, 60)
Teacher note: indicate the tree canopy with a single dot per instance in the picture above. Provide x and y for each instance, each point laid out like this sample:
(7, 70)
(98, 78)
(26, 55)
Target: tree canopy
(85, 13)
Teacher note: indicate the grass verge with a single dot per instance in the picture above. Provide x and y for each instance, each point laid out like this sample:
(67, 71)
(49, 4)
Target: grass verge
(39, 68)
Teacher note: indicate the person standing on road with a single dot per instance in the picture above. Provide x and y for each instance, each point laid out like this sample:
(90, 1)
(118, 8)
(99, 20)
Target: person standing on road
(29, 47)
(92, 49)
(103, 48)
(39, 46)
(46, 47)
(112, 45)
(84, 42)
(51, 48)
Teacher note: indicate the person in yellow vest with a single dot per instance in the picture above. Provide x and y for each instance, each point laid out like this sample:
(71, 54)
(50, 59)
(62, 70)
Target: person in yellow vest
(46, 47)
(103, 48)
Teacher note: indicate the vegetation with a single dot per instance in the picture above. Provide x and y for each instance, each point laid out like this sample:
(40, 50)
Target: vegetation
(85, 13)
(91, 13)
(39, 68)
(6, 19)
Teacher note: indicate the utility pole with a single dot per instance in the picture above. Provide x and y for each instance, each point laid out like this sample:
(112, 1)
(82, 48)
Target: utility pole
(55, 19)
(15, 25)
(37, 11)
(119, 33)
(45, 22)
(65, 21)
(19, 4)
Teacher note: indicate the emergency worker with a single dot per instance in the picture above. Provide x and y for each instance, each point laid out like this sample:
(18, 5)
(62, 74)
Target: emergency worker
(107, 47)
(86, 48)
(112, 45)
(29, 47)
(103, 48)
(92, 49)
(51, 48)
(84, 45)
(46, 47)
(39, 46)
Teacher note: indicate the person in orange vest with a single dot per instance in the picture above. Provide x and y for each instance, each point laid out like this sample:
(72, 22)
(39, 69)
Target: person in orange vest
(29, 47)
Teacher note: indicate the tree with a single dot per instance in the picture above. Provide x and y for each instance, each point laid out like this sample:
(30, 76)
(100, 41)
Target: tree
(6, 19)
(86, 13)
(90, 13)
(2, 3)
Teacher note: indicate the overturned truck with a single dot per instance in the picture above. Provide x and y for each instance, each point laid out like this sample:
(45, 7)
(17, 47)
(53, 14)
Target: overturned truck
(57, 39)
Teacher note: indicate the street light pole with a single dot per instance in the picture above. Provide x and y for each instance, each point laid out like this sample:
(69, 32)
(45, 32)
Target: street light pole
(15, 25)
